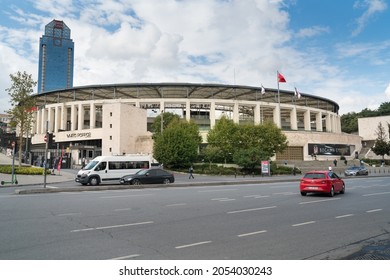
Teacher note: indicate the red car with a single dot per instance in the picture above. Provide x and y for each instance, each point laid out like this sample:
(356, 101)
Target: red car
(321, 182)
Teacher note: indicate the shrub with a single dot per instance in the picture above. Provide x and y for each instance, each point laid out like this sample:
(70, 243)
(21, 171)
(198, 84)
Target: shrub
(24, 170)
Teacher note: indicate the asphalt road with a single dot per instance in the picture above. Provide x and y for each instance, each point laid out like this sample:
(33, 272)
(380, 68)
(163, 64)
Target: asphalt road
(248, 221)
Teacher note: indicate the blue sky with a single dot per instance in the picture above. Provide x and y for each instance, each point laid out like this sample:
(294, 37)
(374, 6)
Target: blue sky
(335, 49)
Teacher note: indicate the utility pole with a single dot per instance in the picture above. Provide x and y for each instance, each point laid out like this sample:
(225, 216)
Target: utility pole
(46, 149)
(162, 121)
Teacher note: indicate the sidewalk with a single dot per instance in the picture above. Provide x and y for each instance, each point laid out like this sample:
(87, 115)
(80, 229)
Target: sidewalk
(62, 176)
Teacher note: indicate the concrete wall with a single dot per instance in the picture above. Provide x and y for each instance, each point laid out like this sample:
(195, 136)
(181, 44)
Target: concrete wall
(369, 126)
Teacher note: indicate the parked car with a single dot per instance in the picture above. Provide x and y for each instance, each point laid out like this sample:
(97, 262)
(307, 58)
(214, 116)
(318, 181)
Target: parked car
(148, 176)
(321, 182)
(355, 171)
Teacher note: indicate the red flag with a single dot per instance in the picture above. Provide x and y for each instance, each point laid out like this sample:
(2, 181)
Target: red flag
(281, 79)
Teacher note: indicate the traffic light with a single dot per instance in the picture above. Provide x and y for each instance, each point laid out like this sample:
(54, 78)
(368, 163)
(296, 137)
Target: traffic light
(51, 141)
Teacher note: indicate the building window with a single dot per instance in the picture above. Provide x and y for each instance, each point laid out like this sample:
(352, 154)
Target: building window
(110, 114)
(110, 125)
(110, 149)
(110, 137)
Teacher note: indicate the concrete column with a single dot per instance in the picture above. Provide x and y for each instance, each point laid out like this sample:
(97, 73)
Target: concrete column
(51, 118)
(92, 115)
(188, 110)
(212, 114)
(80, 118)
(63, 117)
(306, 120)
(257, 114)
(328, 123)
(38, 122)
(43, 120)
(293, 119)
(57, 118)
(276, 115)
(319, 122)
(73, 117)
(236, 114)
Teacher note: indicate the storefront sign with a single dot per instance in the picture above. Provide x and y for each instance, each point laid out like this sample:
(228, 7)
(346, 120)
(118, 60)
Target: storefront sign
(329, 149)
(79, 135)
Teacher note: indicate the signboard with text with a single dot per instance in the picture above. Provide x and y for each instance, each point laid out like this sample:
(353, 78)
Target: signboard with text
(265, 167)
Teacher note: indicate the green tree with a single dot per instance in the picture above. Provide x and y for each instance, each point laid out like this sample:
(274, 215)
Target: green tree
(349, 122)
(223, 136)
(167, 118)
(22, 86)
(212, 154)
(251, 157)
(178, 145)
(257, 143)
(382, 146)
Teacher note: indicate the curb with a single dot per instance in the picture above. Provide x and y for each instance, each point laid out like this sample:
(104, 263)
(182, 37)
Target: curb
(151, 186)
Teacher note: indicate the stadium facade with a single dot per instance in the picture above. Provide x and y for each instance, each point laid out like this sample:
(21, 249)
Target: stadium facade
(93, 120)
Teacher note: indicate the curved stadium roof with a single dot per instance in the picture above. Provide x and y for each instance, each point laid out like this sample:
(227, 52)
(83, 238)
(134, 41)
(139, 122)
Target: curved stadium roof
(182, 90)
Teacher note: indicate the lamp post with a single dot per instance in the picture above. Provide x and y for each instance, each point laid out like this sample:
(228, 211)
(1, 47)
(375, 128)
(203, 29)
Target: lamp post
(162, 121)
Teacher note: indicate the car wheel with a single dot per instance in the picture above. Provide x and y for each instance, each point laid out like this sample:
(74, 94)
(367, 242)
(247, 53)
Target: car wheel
(136, 182)
(303, 193)
(94, 181)
(342, 189)
(166, 181)
(331, 194)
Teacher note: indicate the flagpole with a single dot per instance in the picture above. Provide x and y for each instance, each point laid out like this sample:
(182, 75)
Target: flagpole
(280, 116)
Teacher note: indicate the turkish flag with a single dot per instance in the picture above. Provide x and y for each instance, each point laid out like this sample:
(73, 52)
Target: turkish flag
(281, 79)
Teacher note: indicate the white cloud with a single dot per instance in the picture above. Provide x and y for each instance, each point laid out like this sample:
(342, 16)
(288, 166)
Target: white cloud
(387, 92)
(372, 7)
(130, 41)
(312, 31)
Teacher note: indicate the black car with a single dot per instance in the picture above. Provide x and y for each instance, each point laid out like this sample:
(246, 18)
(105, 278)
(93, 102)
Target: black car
(356, 171)
(148, 176)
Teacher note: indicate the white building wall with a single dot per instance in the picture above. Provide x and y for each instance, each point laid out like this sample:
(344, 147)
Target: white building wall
(369, 126)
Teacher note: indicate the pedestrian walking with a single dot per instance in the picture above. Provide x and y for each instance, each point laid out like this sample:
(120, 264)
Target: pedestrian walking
(335, 162)
(190, 172)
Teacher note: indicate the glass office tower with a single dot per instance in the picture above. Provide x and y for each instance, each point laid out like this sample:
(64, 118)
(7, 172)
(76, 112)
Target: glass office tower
(56, 54)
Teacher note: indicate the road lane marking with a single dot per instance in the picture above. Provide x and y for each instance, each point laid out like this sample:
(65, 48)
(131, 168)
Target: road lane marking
(223, 199)
(256, 196)
(123, 196)
(224, 190)
(374, 210)
(122, 209)
(285, 193)
(251, 233)
(250, 210)
(192, 245)
(109, 227)
(303, 224)
(344, 216)
(68, 214)
(322, 200)
(372, 194)
(125, 257)
(176, 204)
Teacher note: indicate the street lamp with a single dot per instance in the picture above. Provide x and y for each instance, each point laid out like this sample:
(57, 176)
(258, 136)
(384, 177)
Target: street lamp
(162, 121)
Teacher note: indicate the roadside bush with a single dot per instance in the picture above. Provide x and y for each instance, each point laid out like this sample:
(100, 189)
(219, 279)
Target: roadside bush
(24, 170)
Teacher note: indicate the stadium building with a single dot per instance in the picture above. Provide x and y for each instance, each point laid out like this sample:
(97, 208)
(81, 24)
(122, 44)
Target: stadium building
(88, 121)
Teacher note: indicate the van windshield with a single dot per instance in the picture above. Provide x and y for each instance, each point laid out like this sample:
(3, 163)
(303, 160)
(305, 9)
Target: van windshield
(90, 165)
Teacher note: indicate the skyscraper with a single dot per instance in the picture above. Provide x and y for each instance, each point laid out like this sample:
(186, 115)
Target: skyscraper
(56, 55)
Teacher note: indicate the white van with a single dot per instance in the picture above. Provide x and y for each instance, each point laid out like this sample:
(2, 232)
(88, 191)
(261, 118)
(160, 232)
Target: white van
(112, 168)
